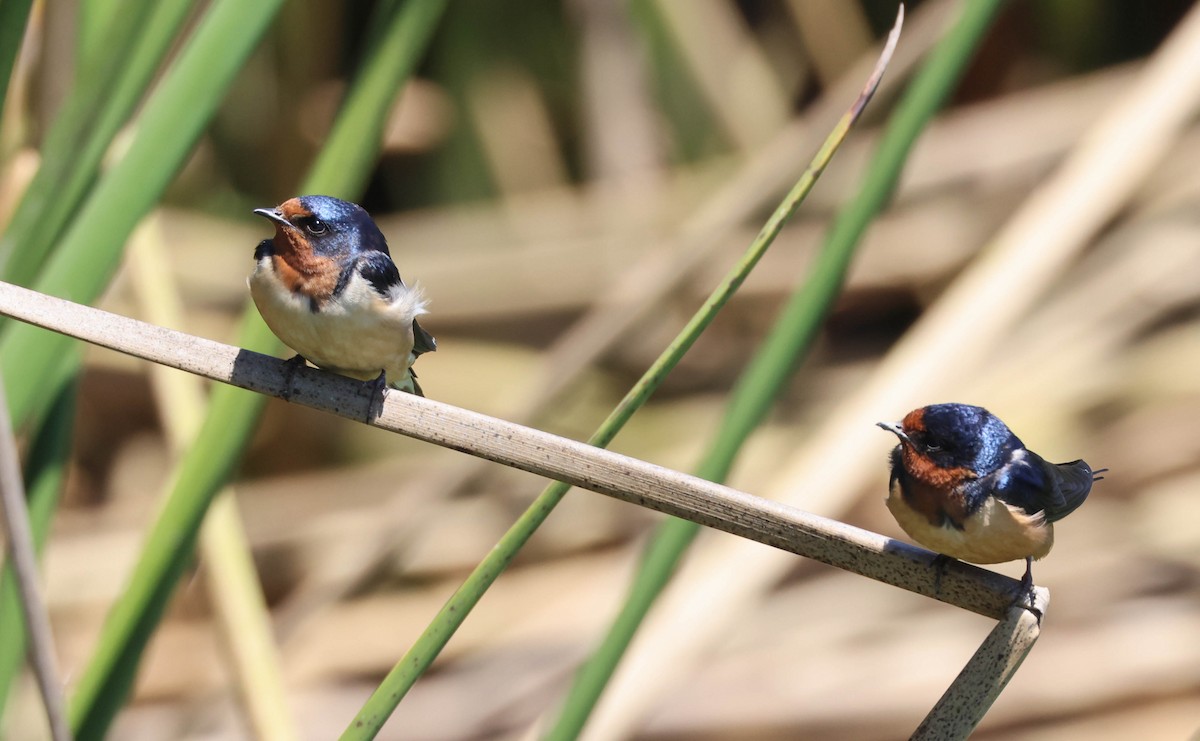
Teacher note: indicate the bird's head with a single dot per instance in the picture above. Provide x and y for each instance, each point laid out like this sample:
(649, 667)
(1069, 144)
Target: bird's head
(323, 226)
(955, 436)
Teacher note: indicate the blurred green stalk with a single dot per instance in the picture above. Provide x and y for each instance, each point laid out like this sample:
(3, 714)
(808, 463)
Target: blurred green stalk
(38, 364)
(109, 87)
(112, 79)
(14, 15)
(421, 655)
(92, 32)
(170, 125)
(233, 413)
(788, 342)
(91, 249)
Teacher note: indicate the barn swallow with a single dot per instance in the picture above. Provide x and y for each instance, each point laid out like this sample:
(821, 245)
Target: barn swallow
(326, 285)
(965, 486)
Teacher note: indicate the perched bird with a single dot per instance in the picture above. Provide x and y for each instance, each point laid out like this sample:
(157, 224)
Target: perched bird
(326, 285)
(964, 485)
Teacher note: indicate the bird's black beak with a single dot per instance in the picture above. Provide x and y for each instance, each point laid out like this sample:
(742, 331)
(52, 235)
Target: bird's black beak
(273, 215)
(894, 427)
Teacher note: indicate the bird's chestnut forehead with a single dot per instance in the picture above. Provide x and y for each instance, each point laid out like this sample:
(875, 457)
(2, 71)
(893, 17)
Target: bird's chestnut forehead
(914, 421)
(293, 208)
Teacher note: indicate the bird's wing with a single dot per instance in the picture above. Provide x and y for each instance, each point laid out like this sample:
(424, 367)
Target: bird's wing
(379, 270)
(423, 342)
(407, 382)
(1035, 485)
(1072, 484)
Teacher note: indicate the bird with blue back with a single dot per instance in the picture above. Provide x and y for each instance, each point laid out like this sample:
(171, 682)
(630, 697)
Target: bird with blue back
(963, 485)
(326, 285)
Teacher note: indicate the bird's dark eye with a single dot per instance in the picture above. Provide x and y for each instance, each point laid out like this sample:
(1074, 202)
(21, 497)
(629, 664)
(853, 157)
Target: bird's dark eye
(931, 447)
(316, 226)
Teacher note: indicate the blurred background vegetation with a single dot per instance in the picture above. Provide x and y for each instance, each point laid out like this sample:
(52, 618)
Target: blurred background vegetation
(543, 150)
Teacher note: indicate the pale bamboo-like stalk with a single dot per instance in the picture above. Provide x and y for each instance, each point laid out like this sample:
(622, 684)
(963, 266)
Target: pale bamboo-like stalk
(577, 463)
(241, 613)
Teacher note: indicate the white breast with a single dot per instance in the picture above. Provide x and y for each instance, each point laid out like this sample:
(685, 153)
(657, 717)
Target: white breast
(995, 533)
(357, 333)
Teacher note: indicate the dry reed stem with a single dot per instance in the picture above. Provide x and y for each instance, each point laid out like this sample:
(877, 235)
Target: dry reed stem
(527, 449)
(984, 677)
(14, 512)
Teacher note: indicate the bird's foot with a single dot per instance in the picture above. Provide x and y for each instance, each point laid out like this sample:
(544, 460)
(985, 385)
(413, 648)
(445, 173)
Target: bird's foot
(378, 388)
(939, 564)
(1027, 579)
(1027, 594)
(294, 364)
